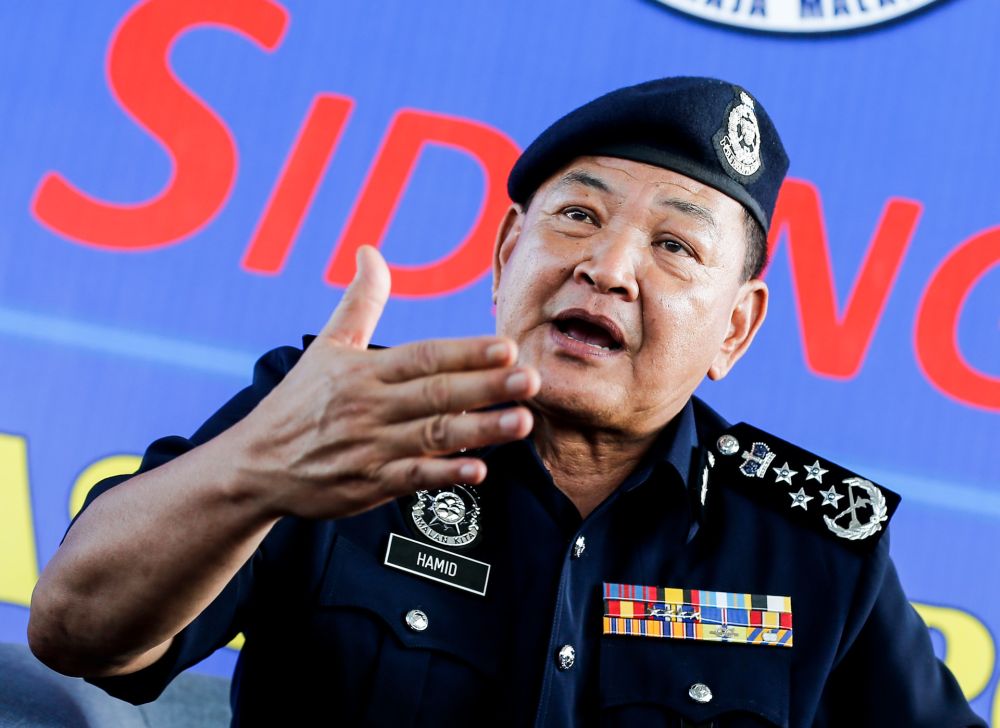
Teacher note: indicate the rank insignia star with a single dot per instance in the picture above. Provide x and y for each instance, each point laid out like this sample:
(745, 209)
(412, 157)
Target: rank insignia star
(800, 499)
(830, 497)
(785, 474)
(815, 472)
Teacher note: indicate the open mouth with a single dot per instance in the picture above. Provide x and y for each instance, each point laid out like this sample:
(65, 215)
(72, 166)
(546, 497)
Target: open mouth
(597, 332)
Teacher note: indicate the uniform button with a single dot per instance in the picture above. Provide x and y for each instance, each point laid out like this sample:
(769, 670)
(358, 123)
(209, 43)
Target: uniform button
(579, 546)
(728, 445)
(700, 693)
(416, 620)
(566, 657)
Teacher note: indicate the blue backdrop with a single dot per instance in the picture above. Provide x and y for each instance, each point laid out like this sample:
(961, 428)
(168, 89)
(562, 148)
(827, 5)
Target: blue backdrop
(158, 230)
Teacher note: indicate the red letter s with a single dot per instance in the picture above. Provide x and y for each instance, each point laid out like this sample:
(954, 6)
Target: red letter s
(199, 144)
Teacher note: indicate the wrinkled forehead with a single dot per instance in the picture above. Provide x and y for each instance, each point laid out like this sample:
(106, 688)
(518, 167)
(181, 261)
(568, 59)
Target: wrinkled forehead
(658, 188)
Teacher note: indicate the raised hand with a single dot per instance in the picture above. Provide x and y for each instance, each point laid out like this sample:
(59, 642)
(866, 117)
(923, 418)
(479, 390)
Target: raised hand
(349, 429)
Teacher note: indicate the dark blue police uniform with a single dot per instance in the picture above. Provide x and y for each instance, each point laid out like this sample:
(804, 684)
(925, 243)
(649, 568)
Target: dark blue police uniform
(334, 635)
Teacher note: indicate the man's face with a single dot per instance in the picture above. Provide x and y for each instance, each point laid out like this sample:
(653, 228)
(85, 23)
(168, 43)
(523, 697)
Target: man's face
(622, 283)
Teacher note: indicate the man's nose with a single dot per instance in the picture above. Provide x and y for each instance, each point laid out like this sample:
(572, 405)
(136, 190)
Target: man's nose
(610, 265)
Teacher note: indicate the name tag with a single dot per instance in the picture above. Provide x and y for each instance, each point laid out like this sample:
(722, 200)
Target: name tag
(436, 564)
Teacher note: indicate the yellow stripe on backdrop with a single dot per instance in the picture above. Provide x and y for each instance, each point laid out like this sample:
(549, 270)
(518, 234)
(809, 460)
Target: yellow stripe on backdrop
(18, 560)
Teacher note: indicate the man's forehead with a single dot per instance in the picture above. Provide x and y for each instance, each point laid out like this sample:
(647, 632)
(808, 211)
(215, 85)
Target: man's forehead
(667, 188)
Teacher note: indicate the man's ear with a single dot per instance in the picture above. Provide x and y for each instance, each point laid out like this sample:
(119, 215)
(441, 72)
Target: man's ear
(749, 311)
(507, 235)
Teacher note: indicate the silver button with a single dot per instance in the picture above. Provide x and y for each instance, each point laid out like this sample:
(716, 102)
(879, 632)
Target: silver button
(728, 445)
(700, 693)
(416, 620)
(566, 657)
(579, 547)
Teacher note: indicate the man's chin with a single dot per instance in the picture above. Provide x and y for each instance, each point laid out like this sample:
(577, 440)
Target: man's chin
(584, 405)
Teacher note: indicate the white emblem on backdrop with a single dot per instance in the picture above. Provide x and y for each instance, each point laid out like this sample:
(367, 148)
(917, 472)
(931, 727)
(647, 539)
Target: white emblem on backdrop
(798, 16)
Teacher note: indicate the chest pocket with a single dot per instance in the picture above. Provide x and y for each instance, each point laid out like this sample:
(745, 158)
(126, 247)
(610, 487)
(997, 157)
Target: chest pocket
(410, 647)
(691, 684)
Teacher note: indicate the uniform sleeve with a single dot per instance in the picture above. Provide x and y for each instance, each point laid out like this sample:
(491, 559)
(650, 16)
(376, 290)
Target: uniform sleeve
(220, 621)
(889, 674)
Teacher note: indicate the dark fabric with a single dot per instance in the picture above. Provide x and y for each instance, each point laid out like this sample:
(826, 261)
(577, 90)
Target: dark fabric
(761, 483)
(677, 123)
(326, 640)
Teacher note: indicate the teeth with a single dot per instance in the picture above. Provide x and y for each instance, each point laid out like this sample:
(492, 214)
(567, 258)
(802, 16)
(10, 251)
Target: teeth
(595, 346)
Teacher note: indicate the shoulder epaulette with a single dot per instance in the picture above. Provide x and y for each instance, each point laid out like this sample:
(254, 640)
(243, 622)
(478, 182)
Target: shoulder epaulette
(811, 491)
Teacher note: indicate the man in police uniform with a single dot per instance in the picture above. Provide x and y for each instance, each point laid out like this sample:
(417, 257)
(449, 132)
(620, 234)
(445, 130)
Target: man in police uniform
(542, 527)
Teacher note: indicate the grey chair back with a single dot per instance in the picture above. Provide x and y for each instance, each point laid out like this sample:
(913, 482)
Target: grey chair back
(33, 696)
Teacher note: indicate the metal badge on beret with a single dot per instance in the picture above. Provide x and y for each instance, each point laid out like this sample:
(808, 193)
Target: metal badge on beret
(449, 516)
(860, 519)
(738, 141)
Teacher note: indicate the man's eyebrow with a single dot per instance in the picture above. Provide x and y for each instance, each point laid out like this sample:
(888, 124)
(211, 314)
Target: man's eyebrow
(690, 208)
(578, 176)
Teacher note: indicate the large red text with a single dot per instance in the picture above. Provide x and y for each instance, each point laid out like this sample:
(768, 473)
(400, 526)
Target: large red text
(835, 335)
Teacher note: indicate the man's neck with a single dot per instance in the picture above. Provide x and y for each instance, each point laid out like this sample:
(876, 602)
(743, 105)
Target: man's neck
(588, 466)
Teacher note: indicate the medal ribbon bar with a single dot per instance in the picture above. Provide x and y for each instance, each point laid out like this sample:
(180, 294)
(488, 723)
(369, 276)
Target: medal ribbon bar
(712, 616)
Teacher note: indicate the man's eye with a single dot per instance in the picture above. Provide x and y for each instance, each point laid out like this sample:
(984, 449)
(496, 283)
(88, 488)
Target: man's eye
(673, 246)
(577, 215)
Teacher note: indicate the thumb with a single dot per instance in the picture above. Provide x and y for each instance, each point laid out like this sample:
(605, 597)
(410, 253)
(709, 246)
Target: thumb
(353, 321)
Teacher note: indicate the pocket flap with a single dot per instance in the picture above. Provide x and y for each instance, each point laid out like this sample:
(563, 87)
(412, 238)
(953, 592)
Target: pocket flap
(456, 622)
(700, 681)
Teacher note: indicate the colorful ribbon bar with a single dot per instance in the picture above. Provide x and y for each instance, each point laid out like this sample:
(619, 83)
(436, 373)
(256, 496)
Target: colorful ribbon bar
(651, 611)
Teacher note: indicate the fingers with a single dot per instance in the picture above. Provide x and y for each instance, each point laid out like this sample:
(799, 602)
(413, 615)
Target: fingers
(353, 321)
(448, 433)
(424, 358)
(409, 475)
(460, 391)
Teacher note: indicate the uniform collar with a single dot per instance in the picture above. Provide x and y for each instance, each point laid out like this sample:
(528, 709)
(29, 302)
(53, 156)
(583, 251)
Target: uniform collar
(665, 467)
(675, 448)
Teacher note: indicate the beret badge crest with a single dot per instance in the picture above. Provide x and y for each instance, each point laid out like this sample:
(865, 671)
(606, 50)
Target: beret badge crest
(739, 140)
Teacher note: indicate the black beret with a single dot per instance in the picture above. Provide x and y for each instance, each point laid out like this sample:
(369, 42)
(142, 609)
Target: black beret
(706, 129)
